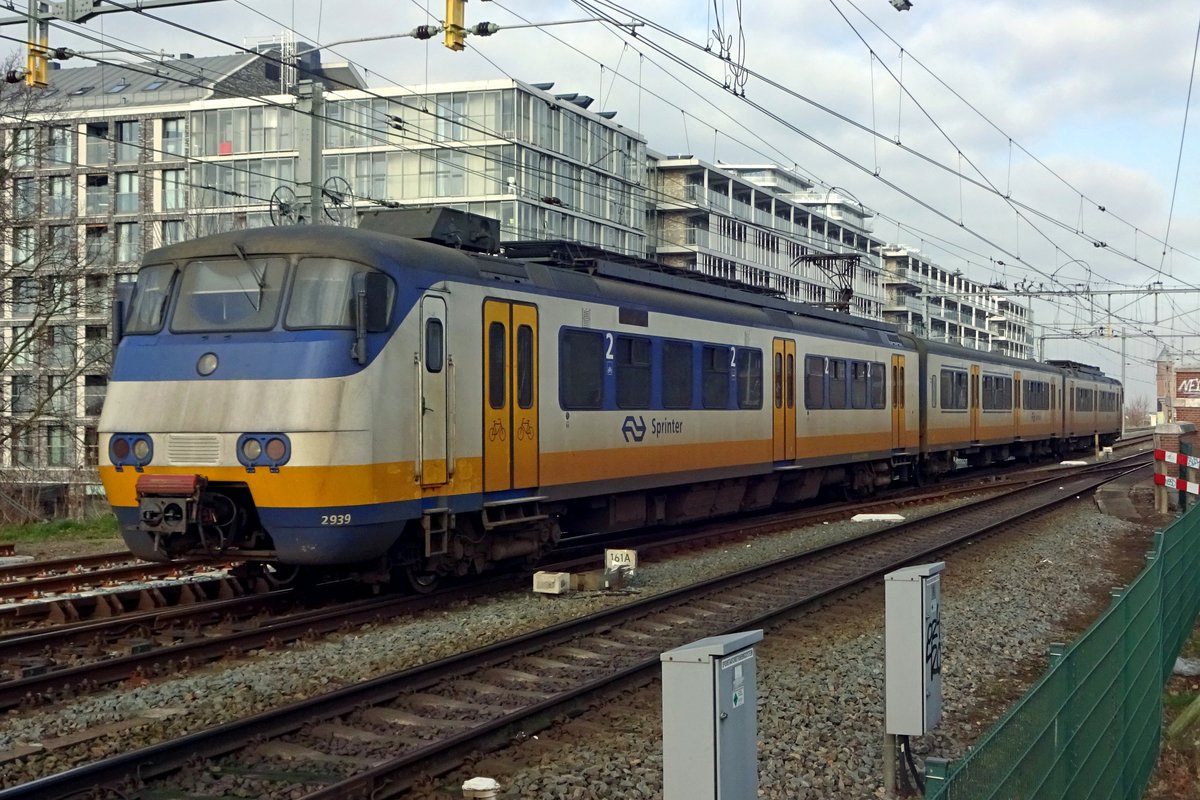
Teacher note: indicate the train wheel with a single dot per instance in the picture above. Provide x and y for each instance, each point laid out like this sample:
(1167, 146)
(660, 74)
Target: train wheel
(419, 581)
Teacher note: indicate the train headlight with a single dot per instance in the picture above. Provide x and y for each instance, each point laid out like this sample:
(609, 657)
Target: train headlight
(130, 450)
(271, 450)
(207, 364)
(277, 449)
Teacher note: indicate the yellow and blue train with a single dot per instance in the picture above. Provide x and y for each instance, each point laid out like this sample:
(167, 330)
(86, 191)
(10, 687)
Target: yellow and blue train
(331, 397)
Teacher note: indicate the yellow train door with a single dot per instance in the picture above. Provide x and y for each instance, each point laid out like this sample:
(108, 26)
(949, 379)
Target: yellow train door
(897, 395)
(974, 403)
(1016, 403)
(510, 398)
(783, 405)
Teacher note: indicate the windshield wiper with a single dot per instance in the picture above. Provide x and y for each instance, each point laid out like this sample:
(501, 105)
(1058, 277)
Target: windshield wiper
(260, 278)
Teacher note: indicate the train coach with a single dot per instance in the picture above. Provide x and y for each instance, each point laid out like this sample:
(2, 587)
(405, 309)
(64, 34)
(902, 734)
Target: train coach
(353, 399)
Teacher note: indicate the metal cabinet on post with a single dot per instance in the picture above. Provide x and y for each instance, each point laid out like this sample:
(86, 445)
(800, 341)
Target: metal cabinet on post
(710, 724)
(913, 649)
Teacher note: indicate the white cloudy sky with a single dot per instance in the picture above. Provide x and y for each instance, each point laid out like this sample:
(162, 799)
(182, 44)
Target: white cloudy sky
(1077, 105)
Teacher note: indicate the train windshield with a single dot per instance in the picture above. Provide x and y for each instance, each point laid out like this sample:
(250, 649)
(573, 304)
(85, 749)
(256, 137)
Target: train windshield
(227, 294)
(150, 299)
(322, 294)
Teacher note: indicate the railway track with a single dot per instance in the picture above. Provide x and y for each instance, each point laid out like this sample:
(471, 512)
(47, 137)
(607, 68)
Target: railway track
(65, 660)
(375, 738)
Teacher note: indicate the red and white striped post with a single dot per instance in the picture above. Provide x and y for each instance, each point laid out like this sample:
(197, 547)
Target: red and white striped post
(1168, 438)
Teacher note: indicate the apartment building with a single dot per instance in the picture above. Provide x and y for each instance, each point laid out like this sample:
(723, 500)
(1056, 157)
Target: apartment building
(767, 227)
(117, 160)
(946, 306)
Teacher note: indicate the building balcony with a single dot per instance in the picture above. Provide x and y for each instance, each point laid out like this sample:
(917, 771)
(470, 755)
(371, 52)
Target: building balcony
(97, 151)
(696, 237)
(97, 202)
(127, 202)
(60, 207)
(901, 279)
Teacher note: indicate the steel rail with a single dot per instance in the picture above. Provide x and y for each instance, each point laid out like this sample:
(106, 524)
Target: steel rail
(897, 545)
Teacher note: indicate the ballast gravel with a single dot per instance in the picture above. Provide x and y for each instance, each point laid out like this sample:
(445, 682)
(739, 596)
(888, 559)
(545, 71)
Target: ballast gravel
(1005, 599)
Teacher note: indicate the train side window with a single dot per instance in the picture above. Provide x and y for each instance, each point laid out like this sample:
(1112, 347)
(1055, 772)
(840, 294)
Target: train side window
(858, 384)
(960, 390)
(677, 375)
(715, 377)
(633, 372)
(581, 369)
(434, 345)
(814, 382)
(837, 383)
(497, 364)
(150, 298)
(749, 378)
(877, 376)
(947, 389)
(524, 366)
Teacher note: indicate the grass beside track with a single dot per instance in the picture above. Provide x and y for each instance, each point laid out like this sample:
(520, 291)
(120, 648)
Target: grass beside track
(88, 529)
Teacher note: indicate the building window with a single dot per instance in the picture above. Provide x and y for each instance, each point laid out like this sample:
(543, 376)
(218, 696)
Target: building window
(97, 143)
(127, 193)
(59, 197)
(172, 139)
(24, 197)
(22, 447)
(94, 389)
(24, 148)
(97, 194)
(128, 242)
(58, 395)
(60, 353)
(91, 447)
(96, 346)
(129, 135)
(172, 232)
(24, 400)
(62, 148)
(97, 246)
(20, 353)
(25, 297)
(173, 197)
(58, 446)
(95, 294)
(22, 247)
(60, 243)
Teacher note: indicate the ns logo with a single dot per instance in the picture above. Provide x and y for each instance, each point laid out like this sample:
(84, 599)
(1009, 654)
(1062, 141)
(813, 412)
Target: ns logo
(634, 428)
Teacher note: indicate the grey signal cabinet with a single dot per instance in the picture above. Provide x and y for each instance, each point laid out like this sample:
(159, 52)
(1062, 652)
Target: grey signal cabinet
(913, 649)
(710, 722)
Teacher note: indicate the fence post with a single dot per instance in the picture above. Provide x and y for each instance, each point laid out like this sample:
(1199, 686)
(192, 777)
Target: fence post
(1185, 472)
(937, 770)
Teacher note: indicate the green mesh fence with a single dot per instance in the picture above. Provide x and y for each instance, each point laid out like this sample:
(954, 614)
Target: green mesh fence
(1090, 727)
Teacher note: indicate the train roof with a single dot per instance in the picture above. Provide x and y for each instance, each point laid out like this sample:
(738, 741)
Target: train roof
(583, 274)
